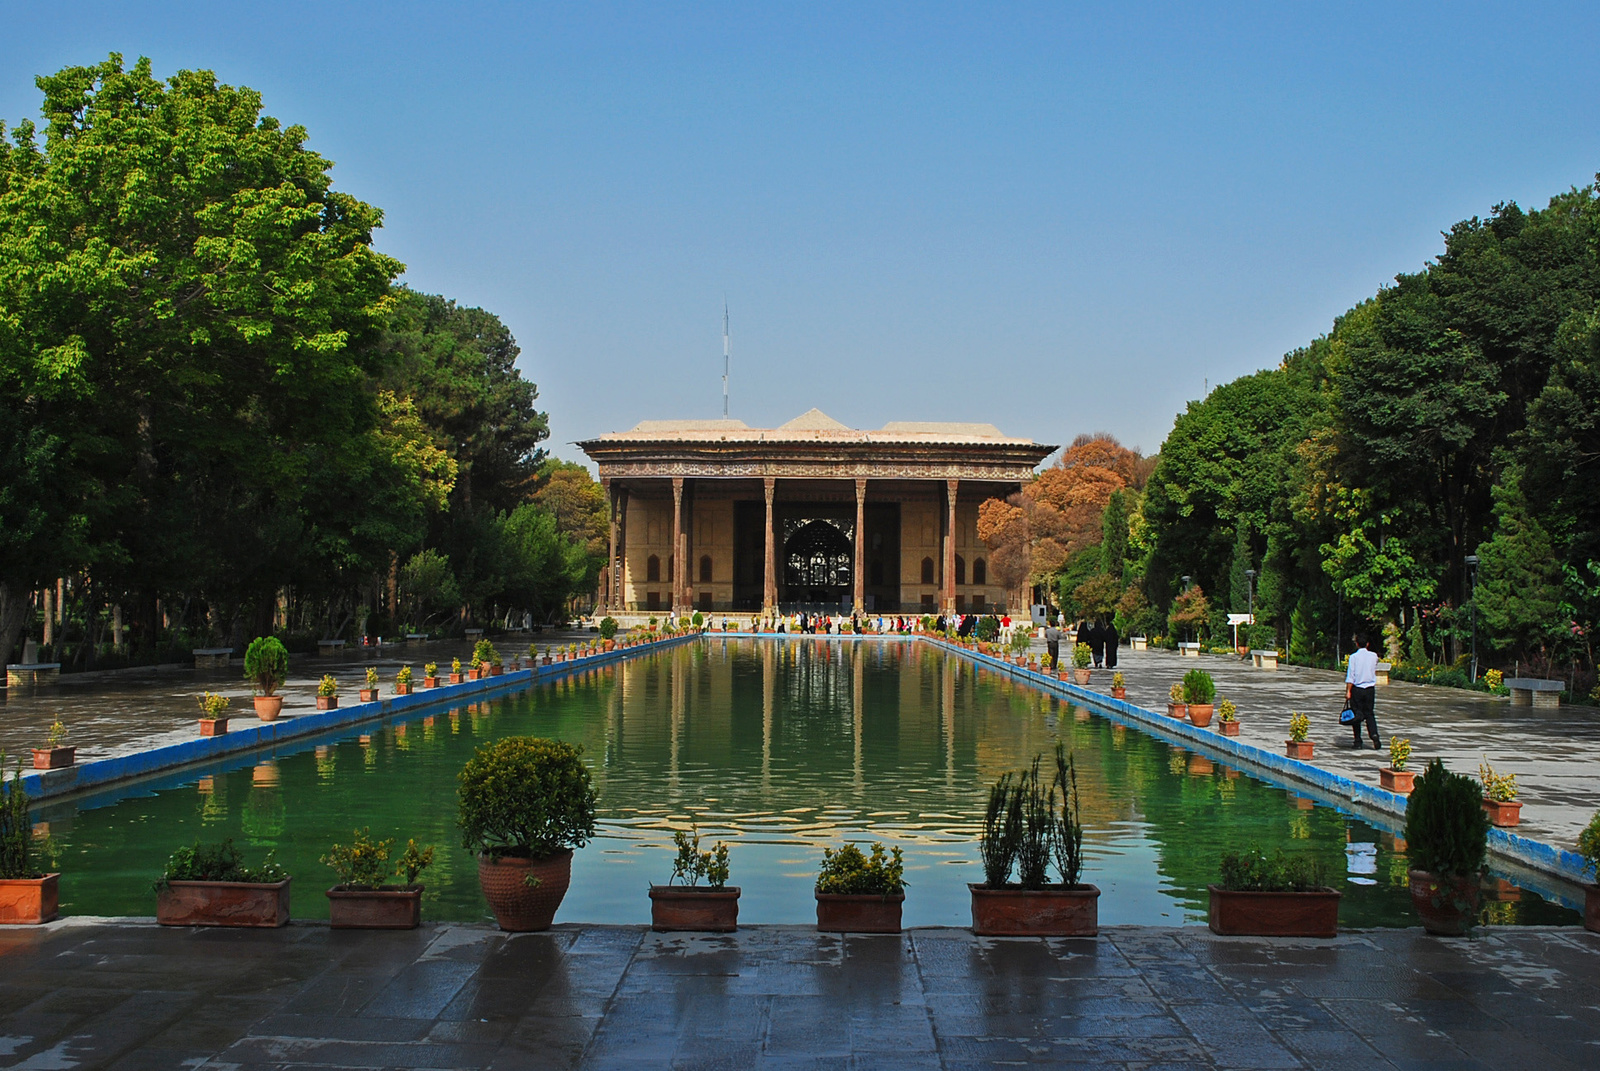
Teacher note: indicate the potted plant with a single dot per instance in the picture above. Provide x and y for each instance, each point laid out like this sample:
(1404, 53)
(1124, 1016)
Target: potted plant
(712, 908)
(483, 653)
(1081, 656)
(1198, 692)
(1447, 838)
(1499, 796)
(402, 681)
(327, 693)
(209, 885)
(1176, 708)
(525, 804)
(54, 755)
(1119, 686)
(28, 896)
(1297, 746)
(1589, 848)
(266, 663)
(369, 694)
(1395, 777)
(1273, 896)
(430, 675)
(859, 893)
(1027, 825)
(213, 714)
(455, 671)
(361, 900)
(1227, 716)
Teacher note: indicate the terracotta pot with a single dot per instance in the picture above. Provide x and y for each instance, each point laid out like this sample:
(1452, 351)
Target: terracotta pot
(268, 707)
(680, 907)
(1591, 908)
(389, 907)
(1229, 728)
(859, 913)
(1177, 710)
(547, 660)
(1053, 911)
(1298, 749)
(1274, 914)
(517, 907)
(402, 689)
(213, 726)
(28, 901)
(223, 903)
(1119, 693)
(1447, 906)
(327, 702)
(369, 695)
(1396, 780)
(54, 758)
(496, 669)
(1502, 813)
(1081, 676)
(1064, 674)
(430, 682)
(1200, 714)
(457, 678)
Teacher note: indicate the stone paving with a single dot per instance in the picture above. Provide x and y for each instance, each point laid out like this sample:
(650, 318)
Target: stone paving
(118, 994)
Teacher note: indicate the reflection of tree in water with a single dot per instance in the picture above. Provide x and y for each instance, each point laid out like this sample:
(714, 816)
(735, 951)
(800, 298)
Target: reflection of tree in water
(264, 814)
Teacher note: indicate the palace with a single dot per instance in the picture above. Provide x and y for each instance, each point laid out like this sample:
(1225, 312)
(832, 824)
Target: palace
(811, 515)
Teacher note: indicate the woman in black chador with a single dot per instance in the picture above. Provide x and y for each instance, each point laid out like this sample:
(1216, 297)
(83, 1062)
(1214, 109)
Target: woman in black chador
(1108, 636)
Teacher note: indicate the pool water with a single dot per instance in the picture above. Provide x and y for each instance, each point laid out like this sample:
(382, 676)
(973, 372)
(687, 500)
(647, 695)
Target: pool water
(780, 747)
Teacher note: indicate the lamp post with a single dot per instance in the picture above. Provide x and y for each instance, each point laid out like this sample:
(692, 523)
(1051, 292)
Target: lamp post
(1472, 563)
(1250, 608)
(1186, 588)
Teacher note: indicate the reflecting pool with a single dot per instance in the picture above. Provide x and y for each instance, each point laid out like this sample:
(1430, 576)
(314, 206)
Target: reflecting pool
(777, 746)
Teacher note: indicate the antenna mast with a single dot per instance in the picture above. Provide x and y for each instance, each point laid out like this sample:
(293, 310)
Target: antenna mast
(726, 356)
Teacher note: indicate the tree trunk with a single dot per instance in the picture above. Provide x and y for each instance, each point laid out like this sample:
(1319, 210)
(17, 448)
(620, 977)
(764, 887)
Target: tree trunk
(16, 605)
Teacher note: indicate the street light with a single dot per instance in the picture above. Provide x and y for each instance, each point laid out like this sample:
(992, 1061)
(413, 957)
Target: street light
(1472, 563)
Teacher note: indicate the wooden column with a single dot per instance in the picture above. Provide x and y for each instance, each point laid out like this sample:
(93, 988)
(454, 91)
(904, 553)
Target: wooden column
(608, 601)
(677, 544)
(622, 549)
(49, 617)
(769, 590)
(948, 598)
(858, 574)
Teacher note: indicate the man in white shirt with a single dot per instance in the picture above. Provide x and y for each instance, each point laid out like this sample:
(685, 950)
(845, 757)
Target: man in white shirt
(1361, 689)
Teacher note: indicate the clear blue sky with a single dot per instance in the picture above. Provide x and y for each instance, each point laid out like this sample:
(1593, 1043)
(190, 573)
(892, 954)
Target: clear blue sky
(1053, 218)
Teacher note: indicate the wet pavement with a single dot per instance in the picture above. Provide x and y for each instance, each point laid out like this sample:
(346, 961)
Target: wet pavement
(126, 711)
(100, 994)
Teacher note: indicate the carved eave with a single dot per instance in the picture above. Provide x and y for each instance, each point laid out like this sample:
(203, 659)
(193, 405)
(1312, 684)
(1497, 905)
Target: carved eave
(1007, 462)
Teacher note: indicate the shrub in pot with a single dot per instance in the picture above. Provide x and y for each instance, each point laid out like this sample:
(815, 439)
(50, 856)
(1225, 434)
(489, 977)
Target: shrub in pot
(1589, 848)
(1081, 657)
(430, 675)
(1176, 708)
(608, 627)
(1298, 746)
(1030, 823)
(455, 671)
(1227, 716)
(327, 693)
(1447, 839)
(483, 655)
(209, 885)
(55, 755)
(859, 893)
(369, 694)
(1119, 685)
(213, 714)
(1395, 777)
(402, 681)
(713, 907)
(1198, 692)
(525, 805)
(266, 665)
(1273, 896)
(28, 895)
(1499, 796)
(361, 900)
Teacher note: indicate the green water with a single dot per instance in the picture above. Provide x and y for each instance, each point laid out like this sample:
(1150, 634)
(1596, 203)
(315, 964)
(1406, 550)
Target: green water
(779, 747)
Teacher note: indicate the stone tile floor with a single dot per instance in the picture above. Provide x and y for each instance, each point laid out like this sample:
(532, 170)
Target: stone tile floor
(119, 994)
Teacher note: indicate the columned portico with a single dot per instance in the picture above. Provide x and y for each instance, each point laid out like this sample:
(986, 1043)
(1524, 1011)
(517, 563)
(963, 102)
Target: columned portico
(947, 601)
(769, 589)
(858, 573)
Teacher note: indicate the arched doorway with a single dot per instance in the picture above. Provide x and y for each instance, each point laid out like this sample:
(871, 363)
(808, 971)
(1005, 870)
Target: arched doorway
(816, 566)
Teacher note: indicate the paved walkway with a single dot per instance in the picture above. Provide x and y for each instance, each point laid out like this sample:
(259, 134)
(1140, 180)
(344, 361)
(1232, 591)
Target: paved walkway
(95, 994)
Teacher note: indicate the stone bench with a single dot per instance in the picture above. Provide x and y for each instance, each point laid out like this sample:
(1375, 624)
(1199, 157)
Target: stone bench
(1267, 659)
(1189, 650)
(1382, 672)
(416, 637)
(1534, 691)
(329, 648)
(1140, 643)
(472, 632)
(212, 658)
(24, 674)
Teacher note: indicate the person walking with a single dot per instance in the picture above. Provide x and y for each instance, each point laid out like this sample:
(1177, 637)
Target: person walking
(1108, 634)
(1361, 690)
(1052, 642)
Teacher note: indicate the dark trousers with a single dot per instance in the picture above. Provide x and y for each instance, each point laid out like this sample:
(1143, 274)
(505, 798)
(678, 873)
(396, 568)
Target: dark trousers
(1053, 650)
(1362, 702)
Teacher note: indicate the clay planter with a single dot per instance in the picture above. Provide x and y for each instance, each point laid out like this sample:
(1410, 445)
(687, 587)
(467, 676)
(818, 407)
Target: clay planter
(547, 660)
(223, 903)
(1053, 911)
(1502, 813)
(402, 689)
(1298, 749)
(213, 726)
(496, 669)
(1591, 908)
(28, 901)
(1446, 905)
(268, 707)
(327, 702)
(1398, 781)
(684, 907)
(1119, 693)
(388, 907)
(1200, 714)
(1177, 710)
(457, 678)
(369, 695)
(1064, 674)
(1228, 728)
(1081, 676)
(516, 907)
(1274, 914)
(430, 682)
(859, 913)
(53, 758)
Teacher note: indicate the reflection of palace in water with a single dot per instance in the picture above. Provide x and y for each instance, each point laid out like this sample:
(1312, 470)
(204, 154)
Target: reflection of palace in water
(809, 515)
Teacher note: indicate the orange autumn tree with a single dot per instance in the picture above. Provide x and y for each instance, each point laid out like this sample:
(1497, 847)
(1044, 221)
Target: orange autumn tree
(1031, 534)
